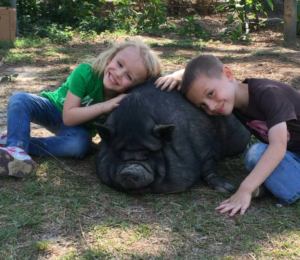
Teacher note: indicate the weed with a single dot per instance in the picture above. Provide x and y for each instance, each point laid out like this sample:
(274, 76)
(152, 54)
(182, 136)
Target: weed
(58, 34)
(237, 34)
(124, 15)
(9, 78)
(192, 28)
(154, 16)
(44, 245)
(143, 231)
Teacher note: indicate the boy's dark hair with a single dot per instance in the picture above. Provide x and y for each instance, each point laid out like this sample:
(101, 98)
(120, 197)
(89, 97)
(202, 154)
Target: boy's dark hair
(201, 66)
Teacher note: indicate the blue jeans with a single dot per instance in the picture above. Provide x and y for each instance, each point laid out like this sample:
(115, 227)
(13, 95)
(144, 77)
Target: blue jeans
(284, 181)
(24, 108)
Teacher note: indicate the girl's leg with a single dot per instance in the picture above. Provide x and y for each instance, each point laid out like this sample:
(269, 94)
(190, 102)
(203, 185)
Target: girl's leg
(284, 181)
(14, 160)
(24, 108)
(69, 142)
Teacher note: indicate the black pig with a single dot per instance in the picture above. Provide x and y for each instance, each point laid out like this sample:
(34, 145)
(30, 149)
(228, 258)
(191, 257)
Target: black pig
(157, 142)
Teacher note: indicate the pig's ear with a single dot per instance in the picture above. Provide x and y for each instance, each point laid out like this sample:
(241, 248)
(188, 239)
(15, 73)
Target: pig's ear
(164, 132)
(105, 132)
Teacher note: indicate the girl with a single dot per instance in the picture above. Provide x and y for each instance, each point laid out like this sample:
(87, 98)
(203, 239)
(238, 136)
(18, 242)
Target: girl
(91, 91)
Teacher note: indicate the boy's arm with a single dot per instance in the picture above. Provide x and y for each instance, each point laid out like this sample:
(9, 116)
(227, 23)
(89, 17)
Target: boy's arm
(170, 81)
(265, 166)
(73, 114)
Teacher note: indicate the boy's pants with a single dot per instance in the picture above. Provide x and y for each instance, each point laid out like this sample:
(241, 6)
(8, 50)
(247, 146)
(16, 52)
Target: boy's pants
(24, 108)
(284, 181)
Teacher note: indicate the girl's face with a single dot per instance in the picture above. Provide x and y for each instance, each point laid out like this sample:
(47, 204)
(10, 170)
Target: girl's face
(125, 70)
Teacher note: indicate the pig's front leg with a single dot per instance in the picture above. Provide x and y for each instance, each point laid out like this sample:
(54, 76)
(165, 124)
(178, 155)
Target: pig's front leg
(216, 182)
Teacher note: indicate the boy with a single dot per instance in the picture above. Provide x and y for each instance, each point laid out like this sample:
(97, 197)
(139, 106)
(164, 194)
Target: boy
(269, 109)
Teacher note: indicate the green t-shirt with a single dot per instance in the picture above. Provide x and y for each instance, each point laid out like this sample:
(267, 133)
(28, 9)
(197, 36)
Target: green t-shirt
(83, 83)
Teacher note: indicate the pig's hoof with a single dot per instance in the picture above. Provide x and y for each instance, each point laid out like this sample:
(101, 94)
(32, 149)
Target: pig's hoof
(216, 182)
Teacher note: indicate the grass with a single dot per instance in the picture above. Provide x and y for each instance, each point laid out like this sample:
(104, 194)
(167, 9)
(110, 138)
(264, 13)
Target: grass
(184, 44)
(30, 42)
(64, 212)
(14, 57)
(71, 215)
(175, 58)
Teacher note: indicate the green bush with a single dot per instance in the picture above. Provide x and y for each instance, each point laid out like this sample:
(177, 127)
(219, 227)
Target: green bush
(124, 15)
(242, 8)
(30, 26)
(58, 19)
(5, 3)
(59, 11)
(154, 16)
(92, 23)
(59, 34)
(192, 28)
(237, 34)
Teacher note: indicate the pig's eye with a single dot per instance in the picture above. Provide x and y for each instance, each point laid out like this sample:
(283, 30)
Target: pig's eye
(134, 155)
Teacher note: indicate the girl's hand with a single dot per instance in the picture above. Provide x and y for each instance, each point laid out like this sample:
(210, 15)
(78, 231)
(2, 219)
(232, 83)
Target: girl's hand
(239, 201)
(111, 104)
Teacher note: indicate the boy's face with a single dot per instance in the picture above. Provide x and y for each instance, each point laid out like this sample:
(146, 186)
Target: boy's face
(215, 96)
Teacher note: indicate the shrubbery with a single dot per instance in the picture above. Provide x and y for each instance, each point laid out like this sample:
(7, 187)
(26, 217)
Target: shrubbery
(58, 20)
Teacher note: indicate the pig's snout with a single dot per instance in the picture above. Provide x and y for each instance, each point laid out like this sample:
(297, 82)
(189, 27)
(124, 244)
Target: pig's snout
(134, 176)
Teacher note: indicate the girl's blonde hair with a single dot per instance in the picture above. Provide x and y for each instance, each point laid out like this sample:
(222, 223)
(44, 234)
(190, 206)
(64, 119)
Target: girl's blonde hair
(150, 59)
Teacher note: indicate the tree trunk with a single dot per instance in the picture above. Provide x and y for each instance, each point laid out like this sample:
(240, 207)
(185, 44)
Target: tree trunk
(14, 5)
(290, 23)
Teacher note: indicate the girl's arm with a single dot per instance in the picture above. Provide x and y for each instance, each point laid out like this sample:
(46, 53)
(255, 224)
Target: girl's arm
(170, 81)
(73, 114)
(265, 166)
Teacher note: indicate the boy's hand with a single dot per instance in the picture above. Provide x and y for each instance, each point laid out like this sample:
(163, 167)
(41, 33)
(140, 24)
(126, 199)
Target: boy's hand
(239, 201)
(111, 104)
(168, 82)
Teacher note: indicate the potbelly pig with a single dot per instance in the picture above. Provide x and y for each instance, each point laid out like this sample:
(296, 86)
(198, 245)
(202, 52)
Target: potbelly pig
(158, 142)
